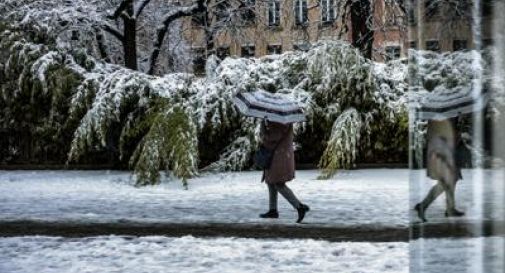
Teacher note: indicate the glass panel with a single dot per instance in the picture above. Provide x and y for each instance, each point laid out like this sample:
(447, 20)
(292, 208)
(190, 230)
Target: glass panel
(457, 155)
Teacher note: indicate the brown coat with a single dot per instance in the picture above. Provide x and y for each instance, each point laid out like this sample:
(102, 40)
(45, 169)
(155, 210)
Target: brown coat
(441, 151)
(283, 162)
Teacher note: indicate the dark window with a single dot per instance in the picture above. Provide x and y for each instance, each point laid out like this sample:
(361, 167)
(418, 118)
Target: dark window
(411, 17)
(327, 11)
(222, 10)
(248, 51)
(301, 12)
(75, 35)
(199, 61)
(459, 45)
(487, 7)
(222, 52)
(462, 7)
(487, 42)
(413, 44)
(393, 53)
(274, 13)
(274, 49)
(431, 7)
(433, 45)
(248, 11)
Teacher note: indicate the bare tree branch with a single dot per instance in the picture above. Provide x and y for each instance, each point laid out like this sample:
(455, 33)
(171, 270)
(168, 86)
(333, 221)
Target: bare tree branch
(114, 31)
(122, 7)
(140, 7)
(199, 6)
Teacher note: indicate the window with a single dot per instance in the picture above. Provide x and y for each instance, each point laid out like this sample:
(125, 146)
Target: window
(274, 13)
(222, 10)
(248, 11)
(487, 7)
(274, 49)
(433, 45)
(393, 53)
(75, 35)
(199, 61)
(248, 51)
(459, 45)
(327, 11)
(411, 16)
(413, 44)
(222, 52)
(431, 7)
(487, 43)
(301, 12)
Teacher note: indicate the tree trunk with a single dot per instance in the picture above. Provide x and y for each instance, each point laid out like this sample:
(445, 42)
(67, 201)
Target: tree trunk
(361, 27)
(130, 44)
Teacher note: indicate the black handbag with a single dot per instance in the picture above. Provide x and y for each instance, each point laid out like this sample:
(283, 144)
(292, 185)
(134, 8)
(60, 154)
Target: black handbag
(263, 157)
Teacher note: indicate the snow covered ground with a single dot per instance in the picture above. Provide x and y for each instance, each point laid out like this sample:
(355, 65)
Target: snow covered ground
(474, 255)
(189, 254)
(360, 197)
(238, 255)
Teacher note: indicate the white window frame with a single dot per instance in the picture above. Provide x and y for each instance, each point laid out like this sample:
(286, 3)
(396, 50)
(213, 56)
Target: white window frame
(390, 57)
(301, 9)
(275, 45)
(329, 6)
(274, 9)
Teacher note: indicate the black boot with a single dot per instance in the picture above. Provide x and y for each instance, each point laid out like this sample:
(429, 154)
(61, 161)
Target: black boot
(420, 212)
(301, 212)
(273, 213)
(454, 213)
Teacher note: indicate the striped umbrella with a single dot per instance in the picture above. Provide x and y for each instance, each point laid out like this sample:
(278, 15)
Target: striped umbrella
(442, 103)
(273, 107)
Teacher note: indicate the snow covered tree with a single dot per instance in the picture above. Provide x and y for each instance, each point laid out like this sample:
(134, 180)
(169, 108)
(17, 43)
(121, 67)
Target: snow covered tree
(138, 117)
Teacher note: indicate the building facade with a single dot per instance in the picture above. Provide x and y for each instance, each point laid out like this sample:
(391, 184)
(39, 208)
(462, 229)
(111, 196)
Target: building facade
(256, 28)
(449, 25)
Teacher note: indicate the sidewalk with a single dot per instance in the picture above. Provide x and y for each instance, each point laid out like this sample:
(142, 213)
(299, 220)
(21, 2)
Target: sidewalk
(358, 205)
(351, 198)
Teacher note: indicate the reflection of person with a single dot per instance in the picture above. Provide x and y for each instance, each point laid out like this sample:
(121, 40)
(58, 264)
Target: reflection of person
(279, 137)
(442, 166)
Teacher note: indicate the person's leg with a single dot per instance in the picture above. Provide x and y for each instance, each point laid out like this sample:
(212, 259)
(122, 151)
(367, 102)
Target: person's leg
(432, 195)
(450, 199)
(272, 203)
(288, 194)
(272, 197)
(434, 192)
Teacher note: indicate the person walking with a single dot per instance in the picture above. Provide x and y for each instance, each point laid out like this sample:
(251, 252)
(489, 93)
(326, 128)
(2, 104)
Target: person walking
(278, 137)
(442, 166)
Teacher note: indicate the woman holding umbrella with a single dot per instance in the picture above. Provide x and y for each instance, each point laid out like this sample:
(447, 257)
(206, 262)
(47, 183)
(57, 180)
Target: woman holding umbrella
(278, 137)
(276, 153)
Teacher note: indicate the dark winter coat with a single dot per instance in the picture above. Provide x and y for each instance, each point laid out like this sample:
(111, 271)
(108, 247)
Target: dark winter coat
(282, 168)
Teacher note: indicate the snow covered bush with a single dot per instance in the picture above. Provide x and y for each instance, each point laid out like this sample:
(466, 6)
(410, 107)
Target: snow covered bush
(170, 144)
(341, 150)
(185, 123)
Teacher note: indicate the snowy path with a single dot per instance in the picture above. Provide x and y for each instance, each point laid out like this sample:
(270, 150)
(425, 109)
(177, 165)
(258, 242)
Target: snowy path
(189, 254)
(361, 197)
(373, 198)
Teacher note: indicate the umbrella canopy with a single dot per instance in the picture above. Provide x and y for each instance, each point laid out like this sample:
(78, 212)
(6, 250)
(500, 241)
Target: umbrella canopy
(442, 104)
(273, 107)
